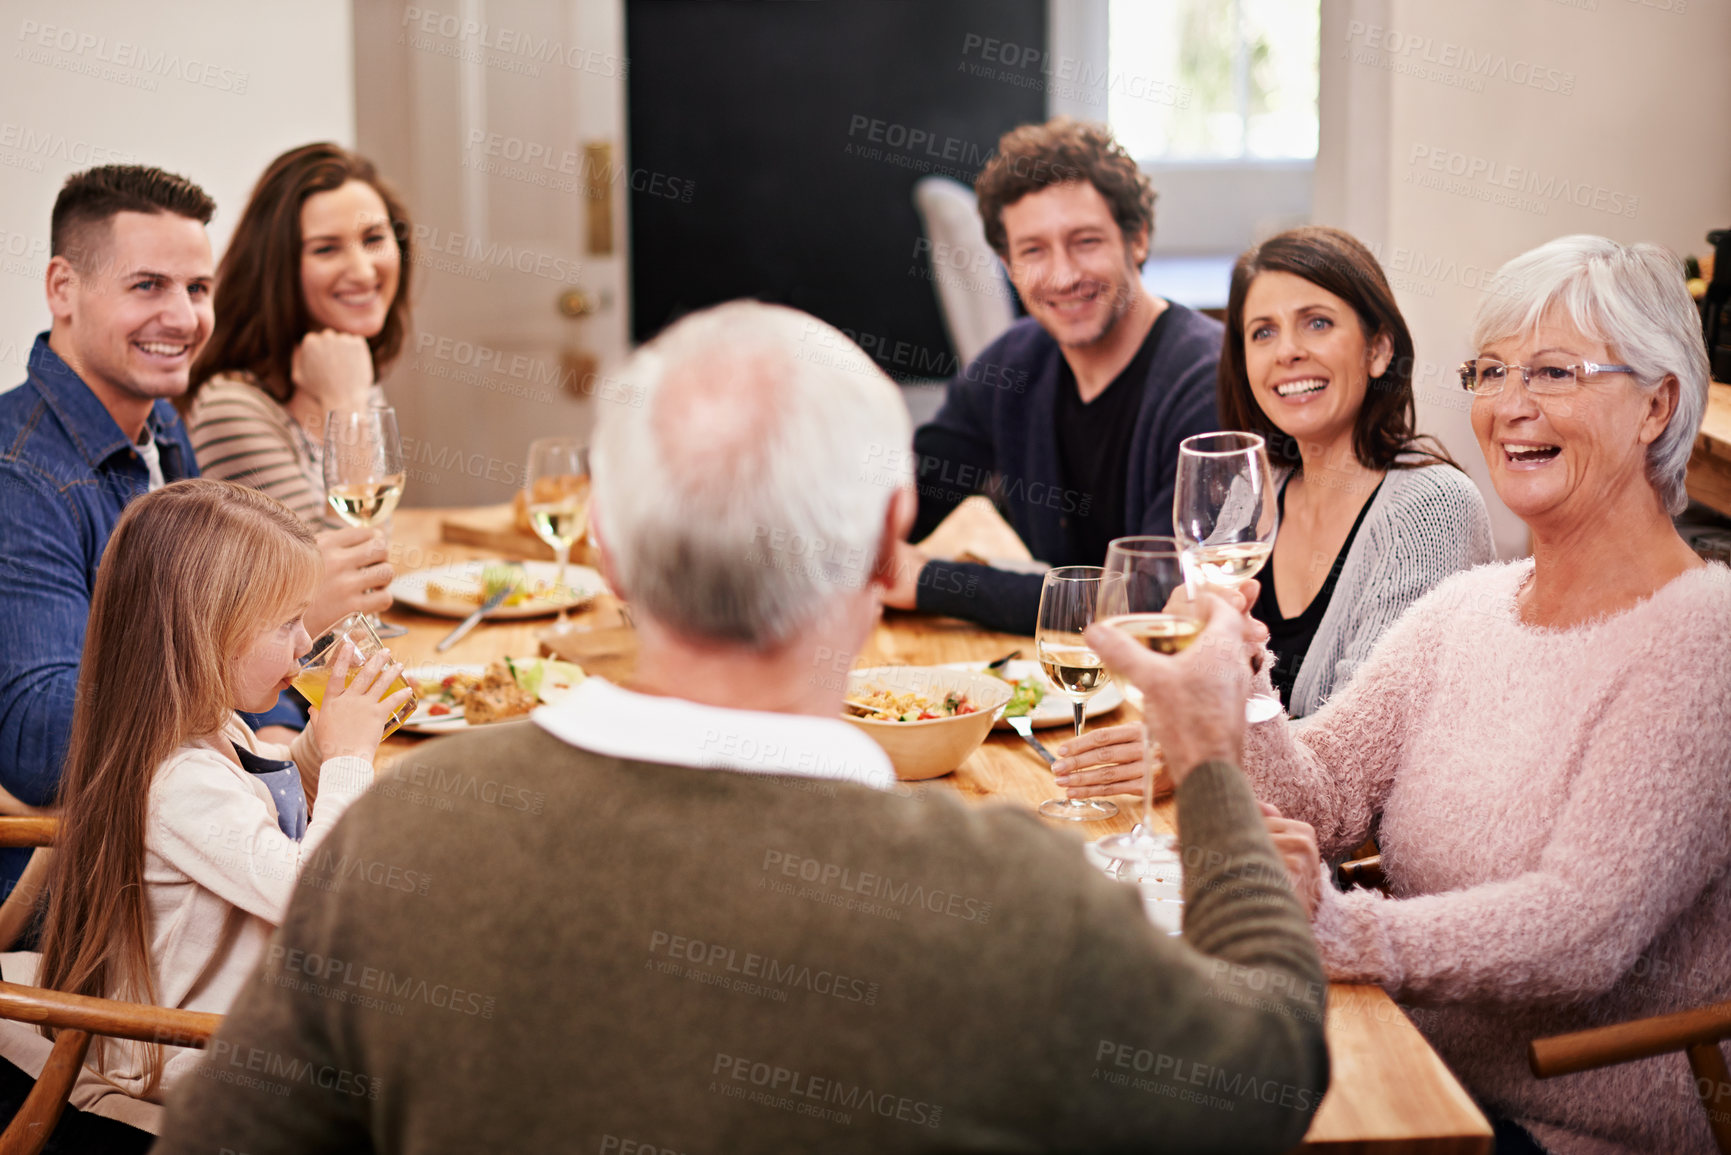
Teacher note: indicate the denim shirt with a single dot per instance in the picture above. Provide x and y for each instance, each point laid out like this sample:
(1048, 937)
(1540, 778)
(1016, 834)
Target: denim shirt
(66, 472)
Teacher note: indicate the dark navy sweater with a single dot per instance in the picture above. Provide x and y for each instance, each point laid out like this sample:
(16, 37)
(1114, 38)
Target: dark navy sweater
(995, 435)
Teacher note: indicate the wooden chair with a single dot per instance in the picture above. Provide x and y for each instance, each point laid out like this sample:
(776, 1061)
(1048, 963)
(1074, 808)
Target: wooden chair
(38, 831)
(1698, 1033)
(76, 1018)
(1365, 872)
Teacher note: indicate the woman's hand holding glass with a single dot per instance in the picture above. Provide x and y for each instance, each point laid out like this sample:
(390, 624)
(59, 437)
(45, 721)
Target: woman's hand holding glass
(1226, 512)
(1194, 701)
(351, 719)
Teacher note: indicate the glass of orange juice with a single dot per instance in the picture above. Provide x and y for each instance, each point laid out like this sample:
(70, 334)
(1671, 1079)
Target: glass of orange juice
(357, 633)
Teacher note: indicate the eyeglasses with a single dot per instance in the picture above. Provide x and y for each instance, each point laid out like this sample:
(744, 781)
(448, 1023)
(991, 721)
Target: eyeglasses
(1484, 376)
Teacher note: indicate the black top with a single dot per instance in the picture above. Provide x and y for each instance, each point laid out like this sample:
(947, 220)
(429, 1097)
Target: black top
(1094, 449)
(1290, 638)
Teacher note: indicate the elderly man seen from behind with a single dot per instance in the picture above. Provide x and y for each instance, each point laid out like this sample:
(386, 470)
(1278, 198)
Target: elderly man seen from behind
(693, 910)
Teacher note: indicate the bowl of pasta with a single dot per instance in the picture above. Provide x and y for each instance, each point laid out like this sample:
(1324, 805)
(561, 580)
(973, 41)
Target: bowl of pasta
(928, 719)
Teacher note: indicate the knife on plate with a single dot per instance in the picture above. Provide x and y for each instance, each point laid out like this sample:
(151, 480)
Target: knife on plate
(468, 623)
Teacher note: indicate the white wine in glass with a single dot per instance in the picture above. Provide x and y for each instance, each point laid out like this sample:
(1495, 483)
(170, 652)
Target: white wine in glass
(557, 495)
(1142, 593)
(366, 502)
(1225, 513)
(1068, 600)
(364, 473)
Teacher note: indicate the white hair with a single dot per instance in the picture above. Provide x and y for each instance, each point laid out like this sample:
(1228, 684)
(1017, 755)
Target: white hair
(744, 482)
(1634, 300)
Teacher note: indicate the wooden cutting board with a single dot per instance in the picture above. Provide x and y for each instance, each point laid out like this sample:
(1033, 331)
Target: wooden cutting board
(604, 644)
(494, 529)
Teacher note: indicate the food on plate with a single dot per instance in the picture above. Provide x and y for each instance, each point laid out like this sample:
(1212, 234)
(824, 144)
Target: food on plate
(440, 696)
(877, 704)
(509, 688)
(495, 576)
(497, 696)
(1030, 692)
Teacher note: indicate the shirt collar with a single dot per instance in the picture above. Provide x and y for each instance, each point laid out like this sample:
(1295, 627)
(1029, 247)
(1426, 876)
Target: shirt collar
(84, 417)
(620, 723)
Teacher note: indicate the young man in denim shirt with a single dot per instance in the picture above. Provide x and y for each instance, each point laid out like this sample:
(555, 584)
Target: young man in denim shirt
(130, 286)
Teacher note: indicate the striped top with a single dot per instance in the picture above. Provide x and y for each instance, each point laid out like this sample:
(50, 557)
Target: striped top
(242, 434)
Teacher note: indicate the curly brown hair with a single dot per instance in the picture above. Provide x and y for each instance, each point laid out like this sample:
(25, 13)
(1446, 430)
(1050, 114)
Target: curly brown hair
(1038, 156)
(260, 313)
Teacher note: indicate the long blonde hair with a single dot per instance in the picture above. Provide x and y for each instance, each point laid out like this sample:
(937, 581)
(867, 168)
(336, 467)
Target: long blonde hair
(191, 574)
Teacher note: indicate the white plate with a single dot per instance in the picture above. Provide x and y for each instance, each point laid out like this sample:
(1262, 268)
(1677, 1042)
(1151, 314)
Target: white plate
(1054, 709)
(421, 722)
(583, 582)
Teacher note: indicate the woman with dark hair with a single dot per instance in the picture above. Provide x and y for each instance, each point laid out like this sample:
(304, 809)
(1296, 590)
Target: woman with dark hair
(312, 305)
(1318, 360)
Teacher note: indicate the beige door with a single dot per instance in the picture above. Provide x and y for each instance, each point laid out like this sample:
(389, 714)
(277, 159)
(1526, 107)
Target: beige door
(502, 123)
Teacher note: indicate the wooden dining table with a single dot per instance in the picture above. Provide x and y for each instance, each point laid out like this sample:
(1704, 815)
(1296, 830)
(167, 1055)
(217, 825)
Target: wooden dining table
(1389, 1091)
(1709, 477)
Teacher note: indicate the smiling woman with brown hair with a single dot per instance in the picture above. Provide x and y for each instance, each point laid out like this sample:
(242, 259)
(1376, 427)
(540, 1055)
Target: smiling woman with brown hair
(1318, 360)
(312, 305)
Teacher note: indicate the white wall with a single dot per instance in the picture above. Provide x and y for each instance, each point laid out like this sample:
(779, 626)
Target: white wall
(1449, 164)
(211, 89)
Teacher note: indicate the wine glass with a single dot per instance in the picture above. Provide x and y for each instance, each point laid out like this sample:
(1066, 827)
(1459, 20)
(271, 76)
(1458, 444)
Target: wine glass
(364, 475)
(1225, 513)
(1137, 588)
(558, 499)
(1068, 599)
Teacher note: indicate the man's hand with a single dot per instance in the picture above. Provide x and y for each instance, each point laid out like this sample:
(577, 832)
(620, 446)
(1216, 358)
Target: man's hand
(904, 583)
(1296, 842)
(1194, 702)
(354, 577)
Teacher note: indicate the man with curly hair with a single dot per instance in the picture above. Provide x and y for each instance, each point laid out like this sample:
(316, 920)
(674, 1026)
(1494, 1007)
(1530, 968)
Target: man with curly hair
(1070, 421)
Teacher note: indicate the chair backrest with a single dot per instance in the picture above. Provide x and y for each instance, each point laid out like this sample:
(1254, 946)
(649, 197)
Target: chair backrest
(972, 293)
(38, 831)
(1698, 1033)
(76, 1018)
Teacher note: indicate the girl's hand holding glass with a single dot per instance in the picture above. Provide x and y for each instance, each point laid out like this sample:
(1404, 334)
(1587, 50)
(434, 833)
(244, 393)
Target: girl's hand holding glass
(352, 718)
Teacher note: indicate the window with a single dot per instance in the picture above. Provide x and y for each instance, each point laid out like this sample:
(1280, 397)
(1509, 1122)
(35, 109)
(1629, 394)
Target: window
(1214, 79)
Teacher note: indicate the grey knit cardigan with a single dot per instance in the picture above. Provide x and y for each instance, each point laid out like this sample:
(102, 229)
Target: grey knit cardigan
(1423, 525)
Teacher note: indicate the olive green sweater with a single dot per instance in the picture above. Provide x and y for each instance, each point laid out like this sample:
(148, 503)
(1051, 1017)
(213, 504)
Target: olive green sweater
(515, 945)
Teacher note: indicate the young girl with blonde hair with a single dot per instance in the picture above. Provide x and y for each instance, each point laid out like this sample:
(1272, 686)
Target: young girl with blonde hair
(182, 834)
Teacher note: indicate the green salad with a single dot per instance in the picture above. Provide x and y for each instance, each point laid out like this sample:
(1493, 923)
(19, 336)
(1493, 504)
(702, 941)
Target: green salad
(1029, 693)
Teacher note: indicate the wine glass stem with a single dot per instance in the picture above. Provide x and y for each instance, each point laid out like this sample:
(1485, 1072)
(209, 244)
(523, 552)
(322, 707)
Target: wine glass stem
(564, 553)
(1148, 792)
(1079, 708)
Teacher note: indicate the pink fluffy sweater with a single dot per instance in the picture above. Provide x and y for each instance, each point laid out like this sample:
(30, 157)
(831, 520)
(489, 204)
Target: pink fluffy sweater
(1554, 813)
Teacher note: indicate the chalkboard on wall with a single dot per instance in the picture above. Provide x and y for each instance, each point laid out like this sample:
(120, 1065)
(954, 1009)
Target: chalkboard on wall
(774, 149)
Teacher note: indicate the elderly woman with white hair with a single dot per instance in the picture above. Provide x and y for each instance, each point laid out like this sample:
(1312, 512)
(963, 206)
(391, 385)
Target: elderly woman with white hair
(1544, 747)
